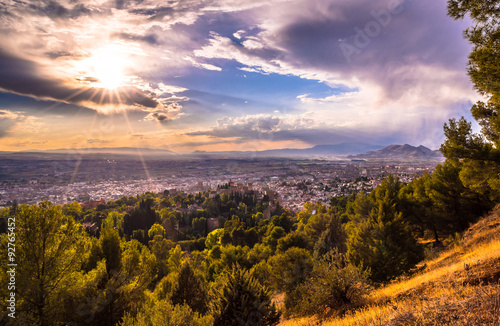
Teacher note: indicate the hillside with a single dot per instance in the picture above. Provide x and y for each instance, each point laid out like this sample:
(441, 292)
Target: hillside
(400, 152)
(458, 287)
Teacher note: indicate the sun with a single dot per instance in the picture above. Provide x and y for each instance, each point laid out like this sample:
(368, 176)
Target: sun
(106, 66)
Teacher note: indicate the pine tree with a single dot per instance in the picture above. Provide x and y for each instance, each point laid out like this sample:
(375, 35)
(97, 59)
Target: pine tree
(190, 290)
(484, 59)
(478, 155)
(383, 242)
(240, 300)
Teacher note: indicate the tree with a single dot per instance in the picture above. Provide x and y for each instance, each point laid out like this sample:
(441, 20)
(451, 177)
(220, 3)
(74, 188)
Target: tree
(383, 241)
(170, 222)
(462, 144)
(325, 230)
(200, 226)
(156, 229)
(160, 247)
(213, 238)
(484, 59)
(282, 221)
(333, 237)
(276, 233)
(73, 209)
(141, 218)
(121, 288)
(190, 290)
(479, 154)
(175, 259)
(241, 300)
(293, 239)
(419, 208)
(456, 204)
(115, 221)
(49, 252)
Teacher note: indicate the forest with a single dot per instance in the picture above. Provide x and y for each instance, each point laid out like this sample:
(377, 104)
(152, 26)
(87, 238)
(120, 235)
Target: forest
(154, 260)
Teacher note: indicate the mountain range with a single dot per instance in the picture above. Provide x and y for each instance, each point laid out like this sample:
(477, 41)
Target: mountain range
(345, 150)
(318, 150)
(400, 152)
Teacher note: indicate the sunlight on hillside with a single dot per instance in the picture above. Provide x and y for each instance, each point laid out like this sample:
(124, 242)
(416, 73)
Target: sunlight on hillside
(469, 260)
(459, 287)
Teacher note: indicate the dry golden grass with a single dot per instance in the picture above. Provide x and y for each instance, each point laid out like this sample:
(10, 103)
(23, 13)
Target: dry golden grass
(459, 287)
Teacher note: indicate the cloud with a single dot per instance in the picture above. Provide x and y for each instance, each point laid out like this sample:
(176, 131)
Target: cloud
(397, 66)
(207, 66)
(399, 126)
(7, 121)
(265, 127)
(405, 55)
(272, 129)
(99, 141)
(16, 120)
(46, 46)
(158, 116)
(24, 77)
(246, 127)
(28, 143)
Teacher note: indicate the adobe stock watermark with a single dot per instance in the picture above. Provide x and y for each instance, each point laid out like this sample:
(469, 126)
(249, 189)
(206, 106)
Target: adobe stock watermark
(363, 37)
(11, 267)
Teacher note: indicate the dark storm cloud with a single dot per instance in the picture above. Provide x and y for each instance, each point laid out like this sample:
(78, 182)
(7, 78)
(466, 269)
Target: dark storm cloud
(383, 41)
(22, 77)
(31, 106)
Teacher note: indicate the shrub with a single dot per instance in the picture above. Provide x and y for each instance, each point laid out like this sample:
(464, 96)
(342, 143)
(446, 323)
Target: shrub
(163, 313)
(241, 300)
(334, 286)
(288, 270)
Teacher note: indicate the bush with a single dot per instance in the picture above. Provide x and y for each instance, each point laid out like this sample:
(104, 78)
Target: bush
(334, 286)
(163, 313)
(288, 270)
(241, 300)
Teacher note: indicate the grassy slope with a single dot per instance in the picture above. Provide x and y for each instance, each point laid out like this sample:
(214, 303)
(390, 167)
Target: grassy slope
(459, 287)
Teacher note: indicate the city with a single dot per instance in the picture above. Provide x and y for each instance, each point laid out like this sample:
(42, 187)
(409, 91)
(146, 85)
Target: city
(294, 181)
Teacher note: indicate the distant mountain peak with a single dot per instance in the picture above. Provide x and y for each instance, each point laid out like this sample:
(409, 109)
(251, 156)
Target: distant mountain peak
(405, 151)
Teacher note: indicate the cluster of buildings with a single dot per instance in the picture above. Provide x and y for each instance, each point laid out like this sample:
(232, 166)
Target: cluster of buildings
(291, 182)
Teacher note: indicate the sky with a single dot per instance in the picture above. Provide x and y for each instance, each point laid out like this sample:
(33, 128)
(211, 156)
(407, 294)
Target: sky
(219, 75)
